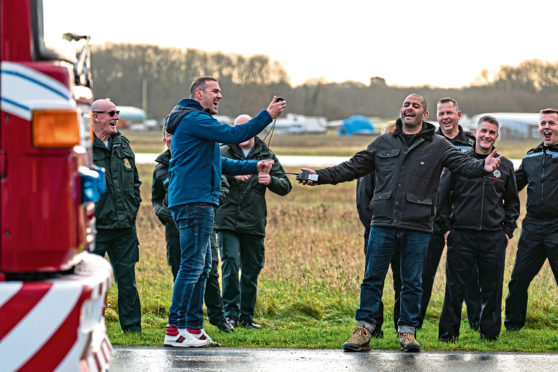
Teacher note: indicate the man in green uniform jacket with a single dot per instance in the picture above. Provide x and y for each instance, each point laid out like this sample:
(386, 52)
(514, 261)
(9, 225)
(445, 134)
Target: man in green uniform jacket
(240, 222)
(116, 210)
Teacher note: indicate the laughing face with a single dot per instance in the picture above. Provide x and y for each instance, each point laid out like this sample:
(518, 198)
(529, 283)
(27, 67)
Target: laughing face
(548, 128)
(209, 97)
(104, 124)
(413, 113)
(448, 119)
(485, 136)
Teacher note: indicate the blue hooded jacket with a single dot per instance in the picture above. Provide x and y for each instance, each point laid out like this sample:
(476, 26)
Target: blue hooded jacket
(196, 163)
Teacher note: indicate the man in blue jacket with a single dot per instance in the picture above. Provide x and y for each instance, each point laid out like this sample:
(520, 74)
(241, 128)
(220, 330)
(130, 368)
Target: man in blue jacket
(195, 184)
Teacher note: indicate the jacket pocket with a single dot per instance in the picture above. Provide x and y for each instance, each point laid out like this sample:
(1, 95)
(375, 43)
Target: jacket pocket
(387, 160)
(419, 208)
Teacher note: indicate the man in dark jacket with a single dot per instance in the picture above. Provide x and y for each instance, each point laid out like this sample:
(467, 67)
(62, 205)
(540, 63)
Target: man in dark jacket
(480, 216)
(364, 194)
(116, 210)
(159, 198)
(539, 233)
(448, 115)
(195, 183)
(240, 222)
(407, 165)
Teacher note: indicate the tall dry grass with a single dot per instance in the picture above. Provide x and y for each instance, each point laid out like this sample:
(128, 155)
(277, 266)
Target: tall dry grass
(313, 269)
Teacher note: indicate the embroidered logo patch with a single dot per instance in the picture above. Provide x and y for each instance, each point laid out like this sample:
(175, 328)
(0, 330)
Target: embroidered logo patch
(127, 163)
(497, 173)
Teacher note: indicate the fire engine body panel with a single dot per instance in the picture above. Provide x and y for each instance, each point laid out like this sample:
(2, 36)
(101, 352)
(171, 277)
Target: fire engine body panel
(52, 297)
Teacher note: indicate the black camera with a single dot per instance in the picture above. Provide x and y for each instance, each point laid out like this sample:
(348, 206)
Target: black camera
(279, 99)
(307, 176)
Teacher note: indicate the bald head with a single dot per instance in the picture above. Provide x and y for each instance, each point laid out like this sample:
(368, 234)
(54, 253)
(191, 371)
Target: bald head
(105, 117)
(241, 119)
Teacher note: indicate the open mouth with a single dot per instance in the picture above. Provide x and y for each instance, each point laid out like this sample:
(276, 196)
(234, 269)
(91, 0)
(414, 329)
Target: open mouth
(409, 114)
(547, 135)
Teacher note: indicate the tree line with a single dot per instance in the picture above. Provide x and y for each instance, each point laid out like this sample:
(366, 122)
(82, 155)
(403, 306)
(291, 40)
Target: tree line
(155, 78)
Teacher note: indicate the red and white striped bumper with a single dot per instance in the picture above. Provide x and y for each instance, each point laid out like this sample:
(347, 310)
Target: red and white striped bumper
(57, 324)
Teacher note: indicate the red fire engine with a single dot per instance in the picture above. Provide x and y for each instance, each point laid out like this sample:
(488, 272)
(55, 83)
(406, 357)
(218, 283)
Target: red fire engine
(52, 290)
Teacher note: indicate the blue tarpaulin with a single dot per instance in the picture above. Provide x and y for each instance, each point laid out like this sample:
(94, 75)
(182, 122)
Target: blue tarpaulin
(356, 124)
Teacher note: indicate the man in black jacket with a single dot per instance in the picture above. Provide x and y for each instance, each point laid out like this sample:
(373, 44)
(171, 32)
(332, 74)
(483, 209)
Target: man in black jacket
(479, 215)
(539, 233)
(407, 165)
(364, 194)
(448, 115)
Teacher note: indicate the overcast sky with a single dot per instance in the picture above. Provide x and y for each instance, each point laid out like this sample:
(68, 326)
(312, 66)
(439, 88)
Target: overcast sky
(409, 43)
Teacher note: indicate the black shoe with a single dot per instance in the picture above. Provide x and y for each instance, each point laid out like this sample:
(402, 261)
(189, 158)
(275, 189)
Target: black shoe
(250, 324)
(475, 326)
(513, 328)
(377, 333)
(448, 339)
(232, 321)
(225, 326)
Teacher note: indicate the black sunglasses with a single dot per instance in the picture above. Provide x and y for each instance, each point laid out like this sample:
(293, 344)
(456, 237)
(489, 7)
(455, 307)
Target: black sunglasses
(111, 113)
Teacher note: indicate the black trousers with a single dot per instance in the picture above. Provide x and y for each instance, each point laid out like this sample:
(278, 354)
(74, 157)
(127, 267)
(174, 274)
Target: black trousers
(396, 271)
(467, 249)
(472, 295)
(121, 245)
(538, 241)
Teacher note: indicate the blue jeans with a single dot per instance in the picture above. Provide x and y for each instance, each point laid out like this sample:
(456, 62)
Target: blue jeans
(195, 224)
(382, 244)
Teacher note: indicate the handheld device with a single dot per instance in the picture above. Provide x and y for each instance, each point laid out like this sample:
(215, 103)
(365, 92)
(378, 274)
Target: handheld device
(306, 176)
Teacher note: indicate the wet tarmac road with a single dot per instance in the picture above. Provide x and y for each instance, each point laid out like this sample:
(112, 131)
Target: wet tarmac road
(246, 360)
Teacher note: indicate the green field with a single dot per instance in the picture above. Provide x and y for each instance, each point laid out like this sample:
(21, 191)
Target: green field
(309, 288)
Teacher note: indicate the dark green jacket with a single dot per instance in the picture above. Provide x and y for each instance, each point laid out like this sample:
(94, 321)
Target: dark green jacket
(159, 192)
(118, 206)
(244, 209)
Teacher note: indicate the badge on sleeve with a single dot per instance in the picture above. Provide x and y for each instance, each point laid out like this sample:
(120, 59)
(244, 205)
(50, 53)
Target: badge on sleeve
(127, 163)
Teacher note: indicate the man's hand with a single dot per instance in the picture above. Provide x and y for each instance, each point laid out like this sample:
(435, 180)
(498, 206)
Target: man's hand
(308, 182)
(446, 234)
(276, 108)
(264, 166)
(491, 163)
(243, 177)
(264, 178)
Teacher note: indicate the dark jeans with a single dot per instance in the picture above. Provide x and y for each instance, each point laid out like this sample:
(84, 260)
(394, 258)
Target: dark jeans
(122, 248)
(472, 295)
(212, 297)
(538, 241)
(195, 224)
(382, 244)
(247, 253)
(468, 249)
(396, 272)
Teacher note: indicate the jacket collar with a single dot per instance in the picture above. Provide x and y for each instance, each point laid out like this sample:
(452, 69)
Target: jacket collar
(426, 132)
(164, 158)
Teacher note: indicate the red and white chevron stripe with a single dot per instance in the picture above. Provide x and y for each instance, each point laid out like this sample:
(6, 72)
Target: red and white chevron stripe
(57, 324)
